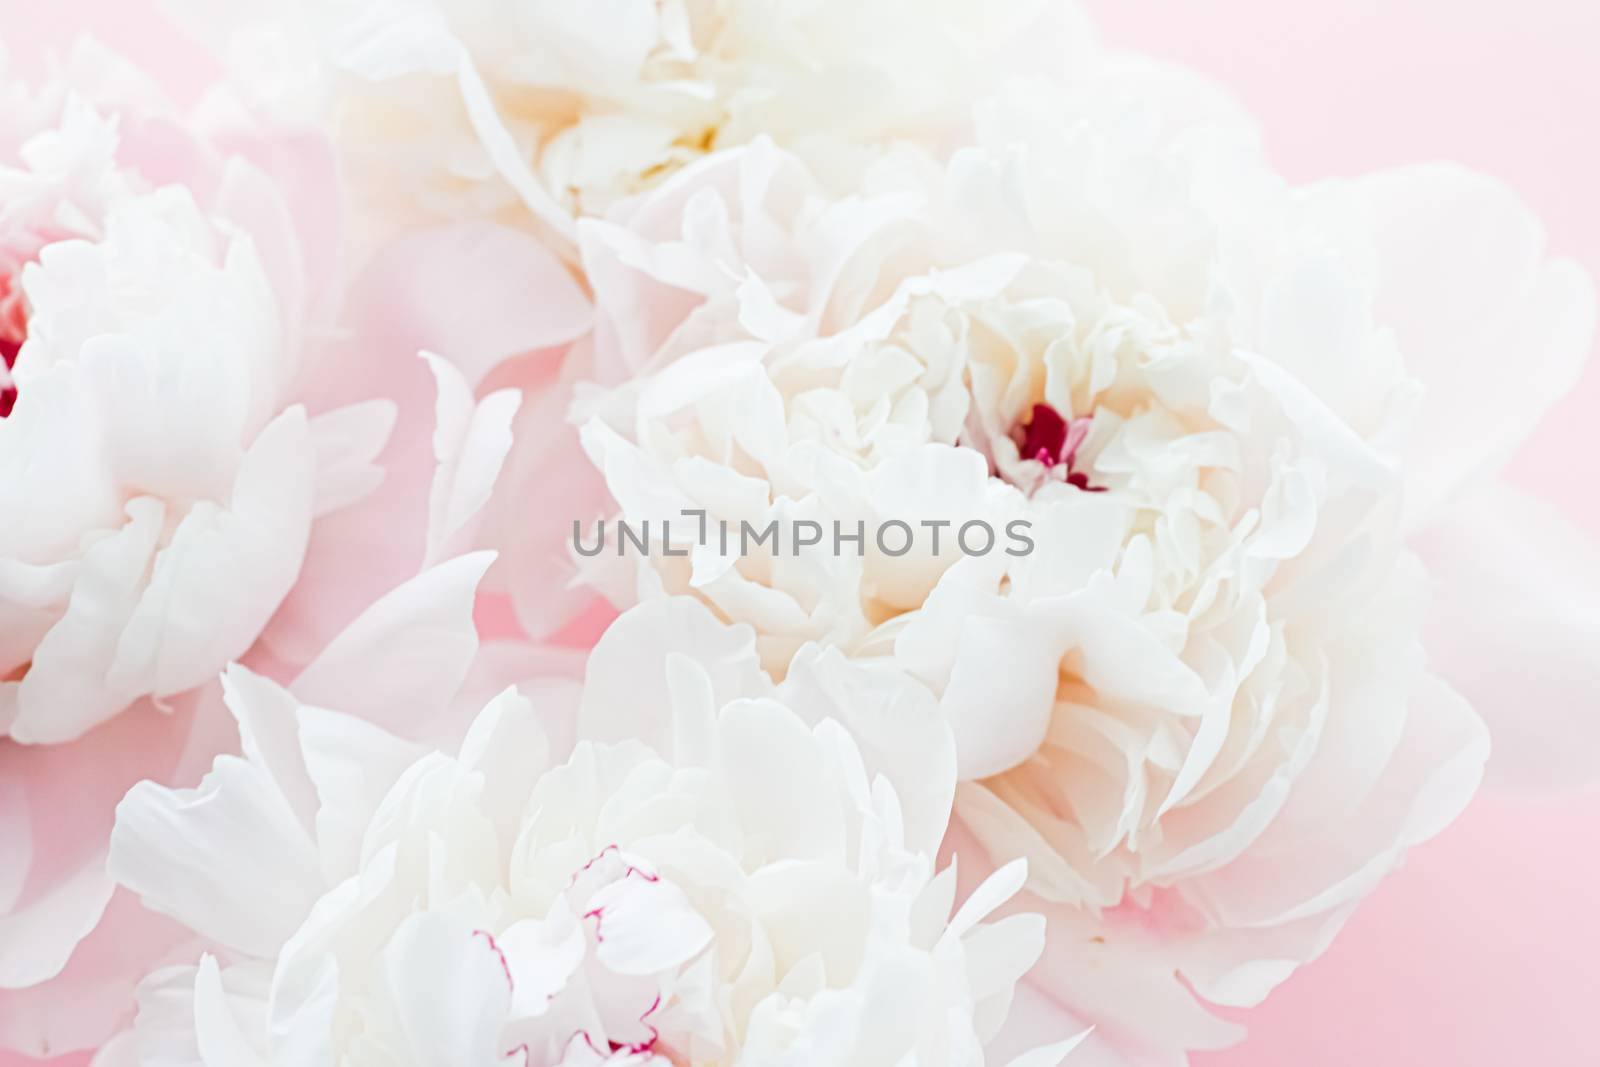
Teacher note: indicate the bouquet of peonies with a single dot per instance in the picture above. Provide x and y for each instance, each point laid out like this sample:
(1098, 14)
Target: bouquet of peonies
(867, 533)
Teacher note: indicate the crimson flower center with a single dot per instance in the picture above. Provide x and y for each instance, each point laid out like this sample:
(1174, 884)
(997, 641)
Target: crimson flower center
(1053, 440)
(13, 331)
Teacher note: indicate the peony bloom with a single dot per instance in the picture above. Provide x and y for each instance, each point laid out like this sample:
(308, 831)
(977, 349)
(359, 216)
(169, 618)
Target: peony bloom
(159, 477)
(542, 111)
(1223, 410)
(188, 429)
(163, 312)
(529, 115)
(708, 875)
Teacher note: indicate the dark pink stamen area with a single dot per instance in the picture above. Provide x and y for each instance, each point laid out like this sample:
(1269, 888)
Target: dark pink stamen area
(1079, 480)
(13, 331)
(9, 348)
(1053, 441)
(1044, 435)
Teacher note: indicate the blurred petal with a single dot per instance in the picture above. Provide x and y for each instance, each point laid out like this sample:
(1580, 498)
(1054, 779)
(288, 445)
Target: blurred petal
(548, 485)
(470, 442)
(223, 572)
(401, 661)
(627, 681)
(432, 955)
(348, 442)
(1514, 626)
(93, 995)
(1449, 239)
(230, 856)
(39, 938)
(479, 294)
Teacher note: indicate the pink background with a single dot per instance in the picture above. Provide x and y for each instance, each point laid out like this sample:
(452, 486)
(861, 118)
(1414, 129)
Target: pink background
(1483, 951)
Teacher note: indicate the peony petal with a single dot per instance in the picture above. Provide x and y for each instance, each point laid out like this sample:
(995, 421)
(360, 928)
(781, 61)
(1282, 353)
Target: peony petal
(266, 716)
(627, 681)
(229, 858)
(218, 1037)
(479, 294)
(645, 925)
(547, 485)
(38, 939)
(1513, 625)
(897, 724)
(1049, 1055)
(1005, 883)
(470, 442)
(1448, 239)
(449, 990)
(1033, 1035)
(542, 957)
(353, 765)
(1001, 721)
(399, 663)
(347, 443)
(93, 995)
(776, 783)
(64, 695)
(223, 572)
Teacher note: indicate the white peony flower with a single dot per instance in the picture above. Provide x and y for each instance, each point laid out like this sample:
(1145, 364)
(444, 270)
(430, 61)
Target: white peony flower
(558, 107)
(1199, 703)
(710, 876)
(158, 486)
(156, 414)
(188, 447)
(531, 114)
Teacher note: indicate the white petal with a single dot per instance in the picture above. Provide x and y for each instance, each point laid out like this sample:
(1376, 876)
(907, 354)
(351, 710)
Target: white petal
(353, 765)
(896, 722)
(228, 859)
(64, 693)
(542, 956)
(1001, 719)
(998, 888)
(218, 1035)
(224, 571)
(479, 294)
(506, 155)
(1514, 626)
(399, 664)
(547, 463)
(470, 443)
(347, 443)
(646, 925)
(449, 990)
(775, 780)
(1049, 1055)
(626, 681)
(269, 734)
(508, 746)
(1450, 239)
(36, 941)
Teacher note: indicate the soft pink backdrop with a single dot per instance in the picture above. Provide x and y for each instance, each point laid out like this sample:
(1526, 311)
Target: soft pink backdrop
(1484, 950)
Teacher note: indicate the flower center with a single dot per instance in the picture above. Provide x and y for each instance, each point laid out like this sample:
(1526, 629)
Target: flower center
(13, 331)
(1053, 441)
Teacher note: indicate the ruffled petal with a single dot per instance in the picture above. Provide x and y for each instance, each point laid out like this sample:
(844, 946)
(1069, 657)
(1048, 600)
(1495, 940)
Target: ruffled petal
(1514, 624)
